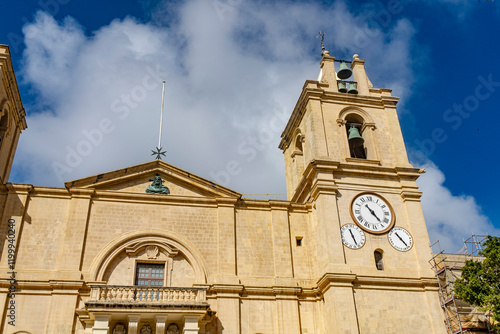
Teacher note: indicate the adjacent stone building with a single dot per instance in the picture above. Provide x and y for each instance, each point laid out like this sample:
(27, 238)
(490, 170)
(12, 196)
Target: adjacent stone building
(347, 252)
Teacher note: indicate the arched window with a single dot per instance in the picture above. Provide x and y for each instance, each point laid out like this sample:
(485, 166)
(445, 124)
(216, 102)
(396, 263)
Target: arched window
(379, 263)
(298, 144)
(354, 127)
(360, 126)
(3, 126)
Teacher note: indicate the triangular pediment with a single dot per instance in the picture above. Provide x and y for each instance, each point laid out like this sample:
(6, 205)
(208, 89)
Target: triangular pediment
(136, 179)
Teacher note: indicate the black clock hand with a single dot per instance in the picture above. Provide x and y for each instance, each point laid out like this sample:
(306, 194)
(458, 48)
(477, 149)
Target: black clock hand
(401, 239)
(353, 238)
(372, 212)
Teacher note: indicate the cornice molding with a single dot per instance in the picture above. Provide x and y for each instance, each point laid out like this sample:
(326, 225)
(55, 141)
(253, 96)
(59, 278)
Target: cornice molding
(394, 282)
(226, 201)
(411, 195)
(19, 188)
(323, 188)
(335, 279)
(380, 282)
(11, 87)
(81, 192)
(311, 90)
(49, 286)
(311, 186)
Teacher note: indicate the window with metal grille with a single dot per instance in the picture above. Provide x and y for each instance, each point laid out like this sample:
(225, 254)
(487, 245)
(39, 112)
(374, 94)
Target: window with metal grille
(149, 274)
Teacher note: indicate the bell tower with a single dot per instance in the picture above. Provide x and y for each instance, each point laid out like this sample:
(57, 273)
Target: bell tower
(12, 114)
(345, 155)
(331, 110)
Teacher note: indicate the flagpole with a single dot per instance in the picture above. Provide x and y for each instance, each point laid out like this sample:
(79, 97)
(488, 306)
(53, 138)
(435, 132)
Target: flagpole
(158, 151)
(161, 114)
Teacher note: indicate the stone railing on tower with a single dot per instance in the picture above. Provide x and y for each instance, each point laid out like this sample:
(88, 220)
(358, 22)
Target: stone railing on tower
(144, 296)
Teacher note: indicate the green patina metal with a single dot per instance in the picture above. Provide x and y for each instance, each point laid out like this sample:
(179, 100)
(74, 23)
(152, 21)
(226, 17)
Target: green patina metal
(157, 186)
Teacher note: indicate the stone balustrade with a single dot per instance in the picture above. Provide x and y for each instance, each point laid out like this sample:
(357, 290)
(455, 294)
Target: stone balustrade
(146, 295)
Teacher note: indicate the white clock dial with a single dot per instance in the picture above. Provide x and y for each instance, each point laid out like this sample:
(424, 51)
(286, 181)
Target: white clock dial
(372, 213)
(352, 236)
(400, 239)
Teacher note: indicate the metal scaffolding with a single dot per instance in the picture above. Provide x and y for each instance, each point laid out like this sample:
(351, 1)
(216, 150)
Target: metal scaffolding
(460, 317)
(474, 244)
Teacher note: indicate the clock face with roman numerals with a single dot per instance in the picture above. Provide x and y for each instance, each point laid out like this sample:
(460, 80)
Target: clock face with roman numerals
(372, 213)
(352, 236)
(400, 239)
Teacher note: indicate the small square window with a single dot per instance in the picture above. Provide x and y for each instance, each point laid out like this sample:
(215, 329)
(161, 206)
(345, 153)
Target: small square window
(149, 274)
(299, 241)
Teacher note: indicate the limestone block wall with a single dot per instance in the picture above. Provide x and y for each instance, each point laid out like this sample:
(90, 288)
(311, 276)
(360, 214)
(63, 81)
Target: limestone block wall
(259, 316)
(254, 241)
(397, 310)
(32, 312)
(110, 220)
(261, 279)
(43, 231)
(311, 320)
(265, 237)
(303, 247)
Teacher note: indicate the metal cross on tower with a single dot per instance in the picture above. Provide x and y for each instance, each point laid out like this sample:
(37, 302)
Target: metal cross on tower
(322, 36)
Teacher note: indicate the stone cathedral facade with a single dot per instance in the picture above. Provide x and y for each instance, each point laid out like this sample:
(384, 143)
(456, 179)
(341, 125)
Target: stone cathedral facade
(347, 252)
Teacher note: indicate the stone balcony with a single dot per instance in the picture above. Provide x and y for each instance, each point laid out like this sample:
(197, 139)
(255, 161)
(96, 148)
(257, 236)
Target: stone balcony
(109, 306)
(115, 296)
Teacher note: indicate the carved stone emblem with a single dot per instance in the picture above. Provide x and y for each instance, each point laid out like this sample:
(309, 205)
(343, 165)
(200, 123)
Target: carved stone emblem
(146, 330)
(173, 329)
(152, 252)
(119, 329)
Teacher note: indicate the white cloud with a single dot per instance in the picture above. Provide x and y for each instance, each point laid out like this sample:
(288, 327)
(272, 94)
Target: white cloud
(51, 54)
(229, 74)
(450, 218)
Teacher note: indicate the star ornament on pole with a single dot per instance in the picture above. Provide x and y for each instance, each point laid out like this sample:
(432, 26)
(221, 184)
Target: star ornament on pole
(158, 153)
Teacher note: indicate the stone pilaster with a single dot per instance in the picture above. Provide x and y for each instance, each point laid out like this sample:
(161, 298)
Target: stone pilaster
(288, 311)
(339, 307)
(359, 73)
(228, 307)
(226, 234)
(418, 230)
(74, 234)
(62, 306)
(281, 240)
(328, 74)
(12, 222)
(327, 230)
(313, 126)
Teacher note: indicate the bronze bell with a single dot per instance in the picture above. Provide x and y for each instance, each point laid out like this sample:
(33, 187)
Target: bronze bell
(344, 71)
(355, 138)
(352, 89)
(342, 88)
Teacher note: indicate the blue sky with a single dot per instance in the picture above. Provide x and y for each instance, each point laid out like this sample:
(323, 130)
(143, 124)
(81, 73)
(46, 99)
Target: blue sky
(93, 69)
